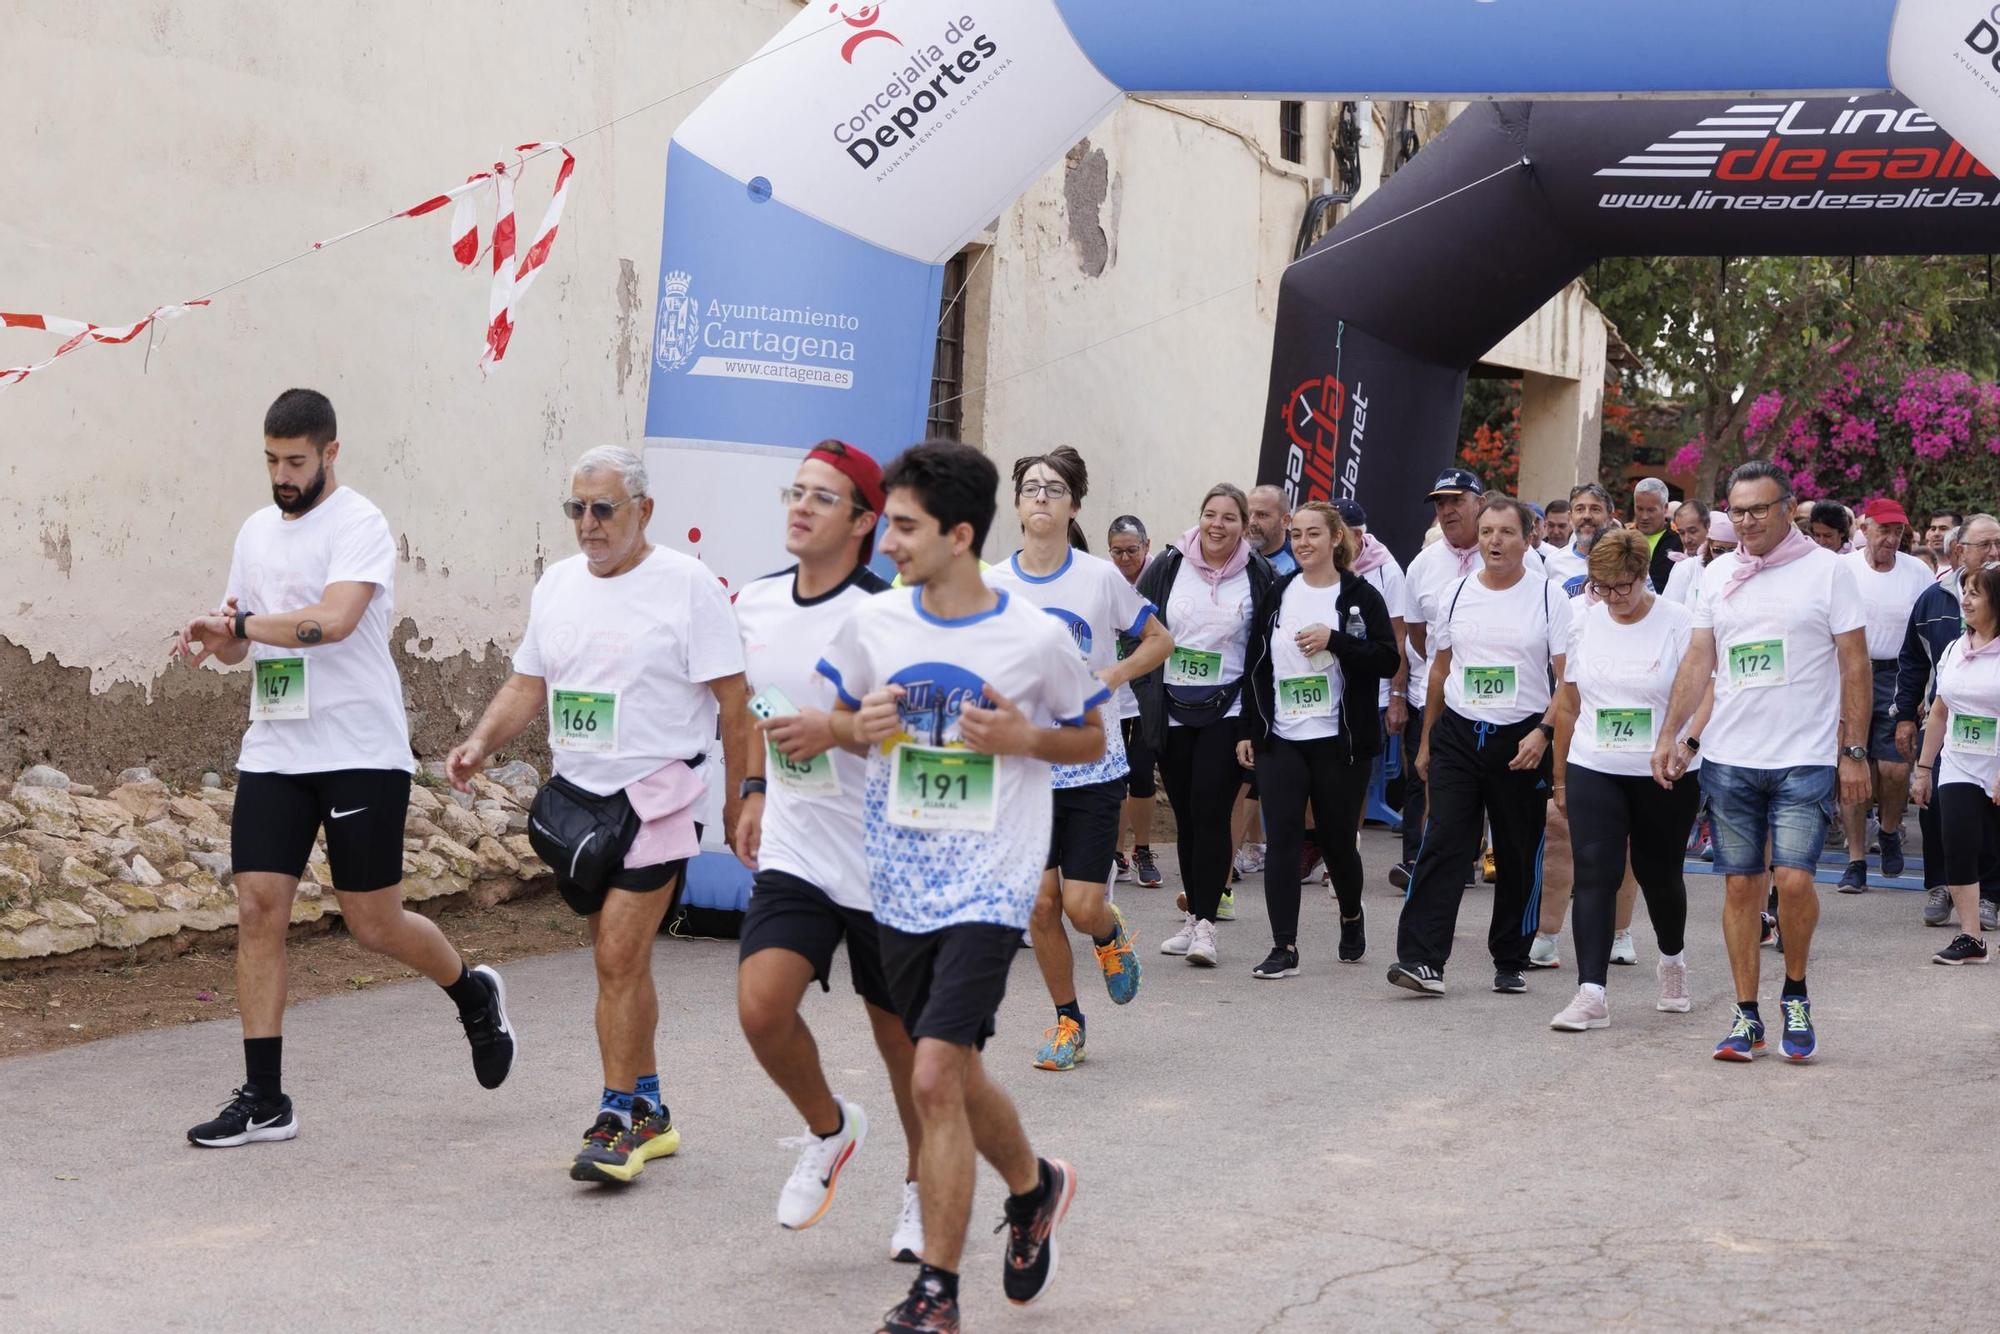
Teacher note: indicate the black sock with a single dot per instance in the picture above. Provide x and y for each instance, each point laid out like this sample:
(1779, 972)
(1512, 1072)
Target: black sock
(1028, 1203)
(1107, 937)
(469, 993)
(1749, 1009)
(1073, 1010)
(263, 1058)
(1793, 987)
(1138, 848)
(941, 1282)
(838, 1126)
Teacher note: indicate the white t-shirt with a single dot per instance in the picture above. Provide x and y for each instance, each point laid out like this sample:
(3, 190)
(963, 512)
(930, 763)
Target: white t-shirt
(1389, 582)
(1971, 693)
(1624, 675)
(1888, 597)
(1212, 619)
(650, 640)
(1502, 646)
(809, 831)
(354, 697)
(926, 879)
(1782, 623)
(1683, 581)
(1433, 570)
(1563, 563)
(1095, 605)
(1318, 706)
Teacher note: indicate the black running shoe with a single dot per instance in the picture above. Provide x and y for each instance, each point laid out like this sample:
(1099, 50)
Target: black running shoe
(1418, 977)
(1962, 950)
(1121, 869)
(601, 1158)
(1854, 880)
(247, 1118)
(1030, 1264)
(491, 1036)
(1354, 937)
(1512, 984)
(925, 1311)
(1892, 854)
(1400, 873)
(1282, 961)
(1145, 868)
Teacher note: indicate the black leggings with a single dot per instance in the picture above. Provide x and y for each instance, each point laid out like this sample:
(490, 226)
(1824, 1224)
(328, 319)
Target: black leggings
(1138, 759)
(1970, 824)
(1321, 771)
(1609, 816)
(1203, 777)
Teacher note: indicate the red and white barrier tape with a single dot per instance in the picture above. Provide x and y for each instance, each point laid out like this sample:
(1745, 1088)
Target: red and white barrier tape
(511, 280)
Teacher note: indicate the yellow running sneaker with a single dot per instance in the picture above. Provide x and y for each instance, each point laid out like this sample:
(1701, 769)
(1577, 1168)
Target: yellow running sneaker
(621, 1157)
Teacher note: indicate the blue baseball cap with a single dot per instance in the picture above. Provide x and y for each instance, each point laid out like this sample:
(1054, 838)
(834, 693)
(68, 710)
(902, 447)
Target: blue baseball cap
(1350, 512)
(1455, 482)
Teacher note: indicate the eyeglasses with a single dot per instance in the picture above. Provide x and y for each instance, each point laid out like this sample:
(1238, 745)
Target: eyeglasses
(1757, 512)
(817, 500)
(1036, 490)
(600, 510)
(1990, 544)
(1614, 590)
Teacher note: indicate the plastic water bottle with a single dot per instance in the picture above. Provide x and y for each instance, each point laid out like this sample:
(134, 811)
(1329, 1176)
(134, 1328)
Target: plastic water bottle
(1356, 626)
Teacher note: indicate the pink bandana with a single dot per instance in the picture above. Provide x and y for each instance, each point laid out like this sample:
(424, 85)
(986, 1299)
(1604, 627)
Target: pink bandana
(1467, 556)
(1213, 575)
(1373, 555)
(1791, 547)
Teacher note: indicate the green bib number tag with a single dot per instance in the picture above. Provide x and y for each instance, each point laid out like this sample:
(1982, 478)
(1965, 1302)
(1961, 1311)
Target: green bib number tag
(1973, 734)
(1489, 687)
(1303, 697)
(942, 787)
(808, 778)
(279, 692)
(1192, 667)
(1757, 663)
(583, 722)
(1625, 729)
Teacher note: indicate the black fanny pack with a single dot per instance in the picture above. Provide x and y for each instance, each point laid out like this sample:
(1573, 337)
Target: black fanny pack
(582, 836)
(1204, 707)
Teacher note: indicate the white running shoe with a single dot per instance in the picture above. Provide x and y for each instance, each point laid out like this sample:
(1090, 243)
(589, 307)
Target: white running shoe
(1586, 1011)
(1623, 950)
(1201, 950)
(1250, 859)
(906, 1244)
(1180, 941)
(1544, 952)
(808, 1192)
(1673, 987)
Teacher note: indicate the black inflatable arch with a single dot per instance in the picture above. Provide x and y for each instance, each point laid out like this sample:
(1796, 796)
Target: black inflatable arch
(1378, 325)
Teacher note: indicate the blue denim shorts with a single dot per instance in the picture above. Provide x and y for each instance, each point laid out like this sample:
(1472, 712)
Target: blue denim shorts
(1745, 805)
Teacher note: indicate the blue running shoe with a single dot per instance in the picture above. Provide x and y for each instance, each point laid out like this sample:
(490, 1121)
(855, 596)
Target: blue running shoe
(1118, 961)
(1062, 1048)
(1800, 1042)
(1745, 1040)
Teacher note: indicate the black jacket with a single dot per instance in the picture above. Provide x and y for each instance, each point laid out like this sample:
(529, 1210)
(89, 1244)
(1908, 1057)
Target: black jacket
(1363, 664)
(1663, 558)
(1934, 623)
(1156, 583)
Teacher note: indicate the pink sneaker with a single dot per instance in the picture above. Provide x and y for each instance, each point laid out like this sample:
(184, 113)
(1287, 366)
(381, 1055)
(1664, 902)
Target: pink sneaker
(1673, 988)
(1587, 1010)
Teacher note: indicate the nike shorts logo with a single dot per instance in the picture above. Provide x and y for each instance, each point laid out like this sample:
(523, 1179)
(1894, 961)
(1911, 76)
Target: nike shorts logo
(342, 815)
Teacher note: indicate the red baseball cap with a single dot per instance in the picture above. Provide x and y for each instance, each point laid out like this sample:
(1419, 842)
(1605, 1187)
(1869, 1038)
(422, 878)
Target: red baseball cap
(857, 467)
(1885, 510)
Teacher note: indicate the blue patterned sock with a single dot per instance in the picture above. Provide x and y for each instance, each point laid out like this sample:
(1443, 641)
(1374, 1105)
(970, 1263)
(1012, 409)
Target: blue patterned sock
(649, 1089)
(618, 1103)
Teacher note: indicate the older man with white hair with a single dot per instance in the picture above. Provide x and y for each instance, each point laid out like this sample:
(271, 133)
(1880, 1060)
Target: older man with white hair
(1650, 504)
(633, 650)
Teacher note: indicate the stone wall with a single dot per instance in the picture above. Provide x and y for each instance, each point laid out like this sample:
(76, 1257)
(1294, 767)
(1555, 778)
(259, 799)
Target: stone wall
(142, 861)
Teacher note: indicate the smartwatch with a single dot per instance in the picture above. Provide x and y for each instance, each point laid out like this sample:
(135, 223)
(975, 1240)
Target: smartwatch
(1854, 753)
(241, 616)
(1547, 730)
(1693, 743)
(749, 786)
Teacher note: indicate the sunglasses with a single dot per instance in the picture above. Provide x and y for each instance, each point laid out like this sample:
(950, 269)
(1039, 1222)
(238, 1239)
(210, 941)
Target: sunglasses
(600, 510)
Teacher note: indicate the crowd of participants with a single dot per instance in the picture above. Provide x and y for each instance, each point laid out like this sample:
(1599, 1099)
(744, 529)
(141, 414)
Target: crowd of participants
(926, 772)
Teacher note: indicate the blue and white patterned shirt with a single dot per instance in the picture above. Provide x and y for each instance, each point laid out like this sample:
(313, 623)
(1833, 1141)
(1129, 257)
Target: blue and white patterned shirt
(924, 880)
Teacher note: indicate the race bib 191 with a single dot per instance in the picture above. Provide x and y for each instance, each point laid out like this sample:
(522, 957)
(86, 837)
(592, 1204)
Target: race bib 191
(1303, 697)
(1625, 729)
(1489, 687)
(1757, 663)
(942, 787)
(1973, 734)
(583, 722)
(279, 692)
(808, 778)
(1193, 667)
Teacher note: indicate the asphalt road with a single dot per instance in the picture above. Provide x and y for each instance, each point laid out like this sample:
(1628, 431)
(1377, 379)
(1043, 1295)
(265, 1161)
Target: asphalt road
(1324, 1152)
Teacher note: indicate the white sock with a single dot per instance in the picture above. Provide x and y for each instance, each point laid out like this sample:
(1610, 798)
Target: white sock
(1596, 991)
(1673, 958)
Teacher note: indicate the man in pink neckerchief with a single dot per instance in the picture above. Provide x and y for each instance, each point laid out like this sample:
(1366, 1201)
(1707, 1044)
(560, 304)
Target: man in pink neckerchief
(1780, 625)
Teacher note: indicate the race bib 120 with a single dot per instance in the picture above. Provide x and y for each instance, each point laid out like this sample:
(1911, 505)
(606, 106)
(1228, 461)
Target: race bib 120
(583, 722)
(1489, 687)
(279, 692)
(942, 787)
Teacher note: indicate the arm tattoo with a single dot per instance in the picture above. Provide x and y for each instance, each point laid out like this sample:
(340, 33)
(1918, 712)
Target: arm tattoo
(309, 632)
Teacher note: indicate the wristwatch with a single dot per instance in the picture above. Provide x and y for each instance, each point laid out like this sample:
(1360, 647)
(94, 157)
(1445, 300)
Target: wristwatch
(749, 786)
(1547, 730)
(1854, 753)
(1692, 743)
(241, 616)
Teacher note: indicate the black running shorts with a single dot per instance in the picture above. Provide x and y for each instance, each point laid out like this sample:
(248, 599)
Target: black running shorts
(787, 913)
(276, 816)
(1084, 836)
(1139, 760)
(948, 984)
